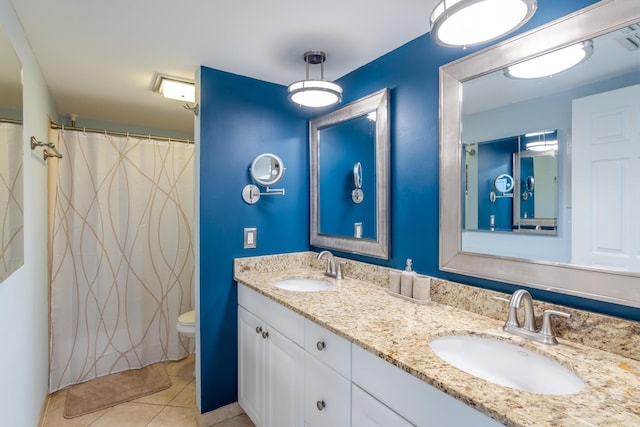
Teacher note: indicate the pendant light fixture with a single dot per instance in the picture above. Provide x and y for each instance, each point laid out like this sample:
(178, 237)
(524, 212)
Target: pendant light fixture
(461, 23)
(552, 62)
(315, 93)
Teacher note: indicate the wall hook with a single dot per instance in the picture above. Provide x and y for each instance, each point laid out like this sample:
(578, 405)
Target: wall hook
(195, 108)
(46, 154)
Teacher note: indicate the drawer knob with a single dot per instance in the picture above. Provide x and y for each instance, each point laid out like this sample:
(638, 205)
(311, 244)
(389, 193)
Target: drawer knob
(320, 345)
(265, 335)
(320, 405)
(258, 329)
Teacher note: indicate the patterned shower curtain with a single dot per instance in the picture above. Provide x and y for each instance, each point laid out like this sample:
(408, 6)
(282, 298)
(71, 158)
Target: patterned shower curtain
(122, 264)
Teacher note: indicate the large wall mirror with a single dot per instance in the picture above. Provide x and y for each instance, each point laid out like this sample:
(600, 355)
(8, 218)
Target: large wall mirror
(11, 152)
(349, 164)
(591, 247)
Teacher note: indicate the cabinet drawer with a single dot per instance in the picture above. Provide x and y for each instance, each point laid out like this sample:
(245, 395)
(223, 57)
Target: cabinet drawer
(287, 322)
(413, 399)
(327, 395)
(369, 412)
(328, 347)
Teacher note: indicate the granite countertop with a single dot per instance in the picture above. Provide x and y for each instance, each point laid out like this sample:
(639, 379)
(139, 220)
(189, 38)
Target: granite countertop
(399, 332)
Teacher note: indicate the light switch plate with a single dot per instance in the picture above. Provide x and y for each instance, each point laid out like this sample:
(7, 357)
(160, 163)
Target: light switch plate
(357, 230)
(250, 237)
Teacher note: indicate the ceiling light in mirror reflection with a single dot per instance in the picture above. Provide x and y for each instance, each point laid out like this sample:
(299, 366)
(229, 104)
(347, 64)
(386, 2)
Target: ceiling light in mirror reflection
(552, 63)
(537, 141)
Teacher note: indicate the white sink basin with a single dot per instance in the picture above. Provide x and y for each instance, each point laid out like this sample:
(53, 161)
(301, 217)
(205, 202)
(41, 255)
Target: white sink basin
(303, 285)
(506, 364)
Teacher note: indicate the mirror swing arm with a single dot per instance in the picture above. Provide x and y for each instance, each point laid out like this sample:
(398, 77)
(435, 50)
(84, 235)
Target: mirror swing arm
(251, 193)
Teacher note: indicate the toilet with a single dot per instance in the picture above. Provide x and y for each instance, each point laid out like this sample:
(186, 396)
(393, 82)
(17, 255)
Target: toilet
(186, 324)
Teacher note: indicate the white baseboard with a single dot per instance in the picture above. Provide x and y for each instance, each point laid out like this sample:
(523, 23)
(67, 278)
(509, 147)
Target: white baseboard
(43, 410)
(216, 416)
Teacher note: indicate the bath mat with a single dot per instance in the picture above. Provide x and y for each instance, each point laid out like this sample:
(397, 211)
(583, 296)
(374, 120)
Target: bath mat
(110, 390)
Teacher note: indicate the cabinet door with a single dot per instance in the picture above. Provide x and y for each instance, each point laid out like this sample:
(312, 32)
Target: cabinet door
(283, 381)
(327, 395)
(369, 412)
(250, 370)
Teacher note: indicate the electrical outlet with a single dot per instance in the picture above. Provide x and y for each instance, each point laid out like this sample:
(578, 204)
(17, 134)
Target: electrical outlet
(250, 237)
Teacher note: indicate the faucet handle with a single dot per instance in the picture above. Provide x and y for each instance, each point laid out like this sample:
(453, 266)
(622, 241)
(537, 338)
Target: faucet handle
(547, 330)
(339, 270)
(328, 269)
(507, 300)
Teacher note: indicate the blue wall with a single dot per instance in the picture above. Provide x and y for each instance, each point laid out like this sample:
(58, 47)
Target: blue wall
(495, 158)
(338, 212)
(237, 125)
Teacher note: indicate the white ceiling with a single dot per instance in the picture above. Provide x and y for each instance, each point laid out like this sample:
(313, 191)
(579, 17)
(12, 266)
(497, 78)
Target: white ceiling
(99, 58)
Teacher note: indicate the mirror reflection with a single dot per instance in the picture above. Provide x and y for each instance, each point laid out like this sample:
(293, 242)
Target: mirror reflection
(343, 145)
(544, 163)
(594, 109)
(509, 202)
(11, 152)
(349, 170)
(267, 169)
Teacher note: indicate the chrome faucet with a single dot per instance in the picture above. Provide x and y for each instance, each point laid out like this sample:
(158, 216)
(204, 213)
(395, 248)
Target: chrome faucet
(333, 269)
(528, 330)
(529, 317)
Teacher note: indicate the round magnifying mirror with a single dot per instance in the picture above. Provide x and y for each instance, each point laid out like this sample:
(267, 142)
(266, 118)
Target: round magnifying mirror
(529, 183)
(267, 169)
(503, 183)
(357, 175)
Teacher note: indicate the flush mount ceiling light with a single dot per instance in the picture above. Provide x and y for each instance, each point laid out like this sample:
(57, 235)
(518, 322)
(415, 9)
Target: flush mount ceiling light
(537, 141)
(552, 62)
(460, 23)
(315, 93)
(175, 88)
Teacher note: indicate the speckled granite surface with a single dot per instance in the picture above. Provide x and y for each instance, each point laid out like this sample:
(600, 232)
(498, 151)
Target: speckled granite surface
(359, 309)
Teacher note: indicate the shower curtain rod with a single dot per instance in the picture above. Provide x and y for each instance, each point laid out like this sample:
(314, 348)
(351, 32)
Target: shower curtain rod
(120, 133)
(14, 121)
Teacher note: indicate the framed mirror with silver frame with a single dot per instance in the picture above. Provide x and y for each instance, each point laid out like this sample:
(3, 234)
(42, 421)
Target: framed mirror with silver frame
(374, 109)
(11, 160)
(588, 280)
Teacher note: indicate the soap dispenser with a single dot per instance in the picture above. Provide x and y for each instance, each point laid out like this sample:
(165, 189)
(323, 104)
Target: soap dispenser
(406, 280)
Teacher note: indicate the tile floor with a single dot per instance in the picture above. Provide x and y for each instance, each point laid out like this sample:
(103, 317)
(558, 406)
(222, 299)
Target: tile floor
(173, 407)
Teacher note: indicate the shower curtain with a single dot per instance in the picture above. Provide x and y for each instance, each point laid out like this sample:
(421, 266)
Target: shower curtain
(122, 264)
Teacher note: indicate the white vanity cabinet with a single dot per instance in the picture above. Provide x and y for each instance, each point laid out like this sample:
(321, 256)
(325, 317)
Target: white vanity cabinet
(366, 411)
(270, 361)
(327, 377)
(293, 372)
(406, 395)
